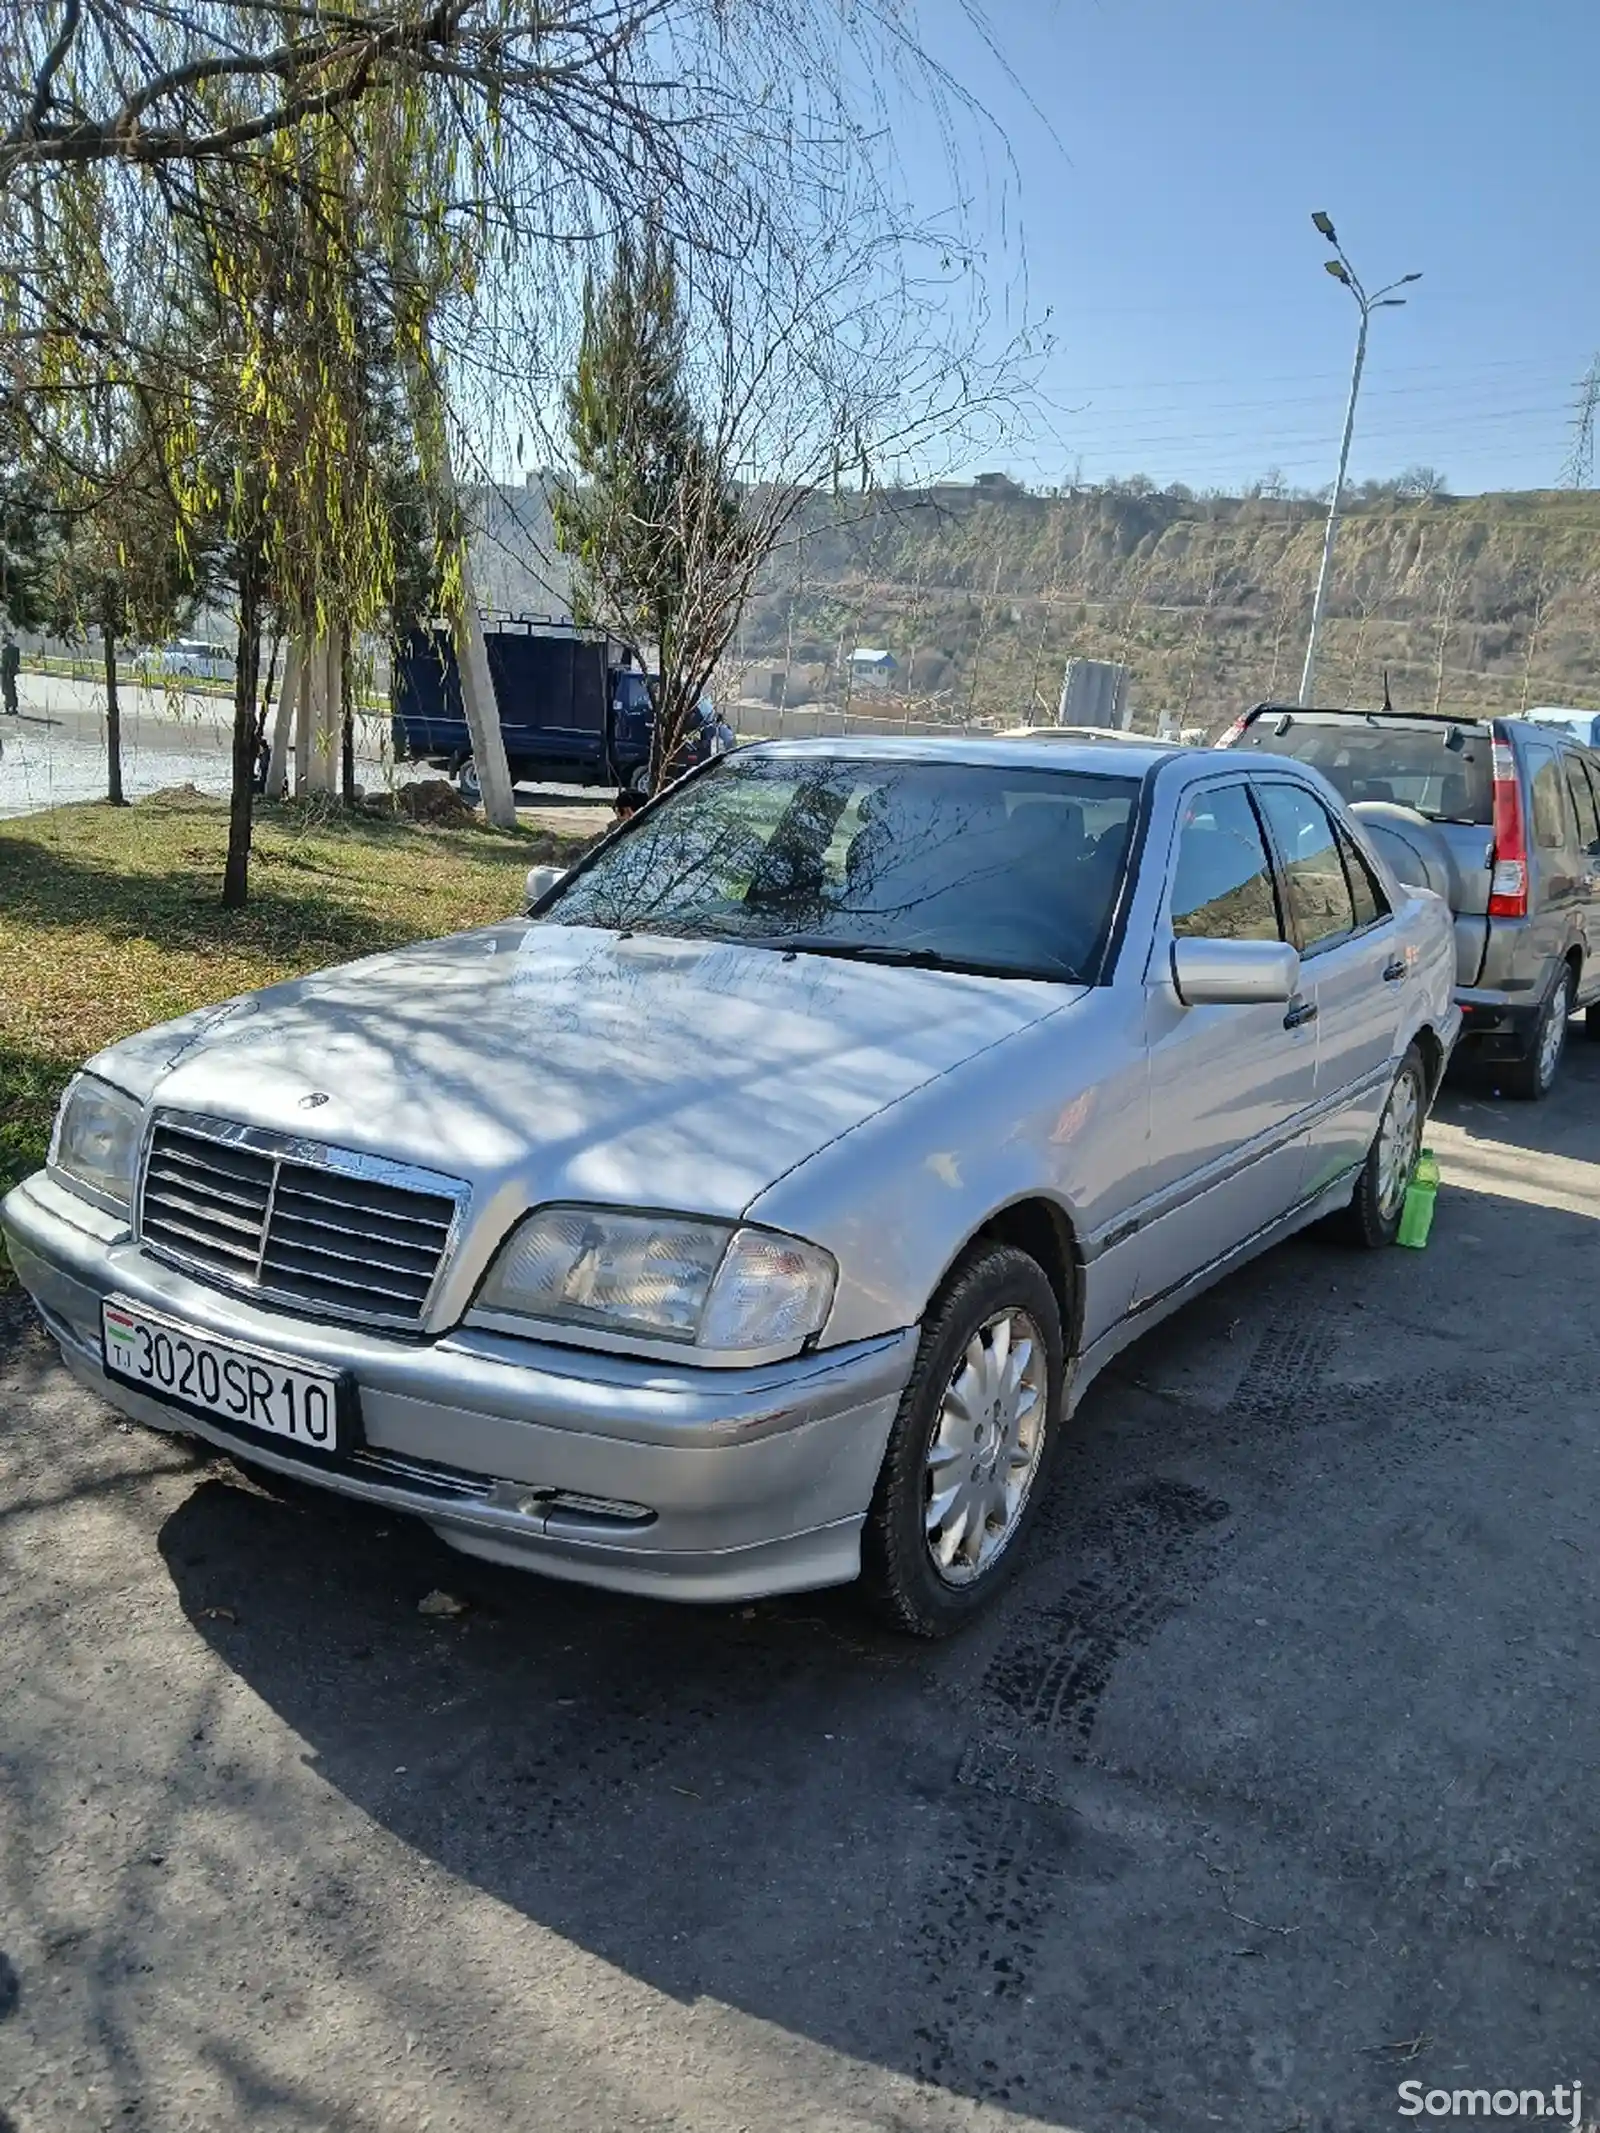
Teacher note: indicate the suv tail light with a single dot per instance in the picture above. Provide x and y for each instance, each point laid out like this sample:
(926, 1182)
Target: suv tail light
(1508, 885)
(1233, 732)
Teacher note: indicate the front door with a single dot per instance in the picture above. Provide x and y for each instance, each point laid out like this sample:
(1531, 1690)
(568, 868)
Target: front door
(1352, 970)
(1230, 1087)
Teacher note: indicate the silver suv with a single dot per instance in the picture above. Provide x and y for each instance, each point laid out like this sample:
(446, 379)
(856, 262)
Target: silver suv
(1502, 818)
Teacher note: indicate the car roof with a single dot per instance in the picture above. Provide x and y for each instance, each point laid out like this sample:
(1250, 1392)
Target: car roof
(1113, 755)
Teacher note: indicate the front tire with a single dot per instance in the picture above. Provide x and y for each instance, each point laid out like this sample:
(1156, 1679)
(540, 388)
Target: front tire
(1373, 1218)
(1532, 1077)
(970, 1451)
(639, 780)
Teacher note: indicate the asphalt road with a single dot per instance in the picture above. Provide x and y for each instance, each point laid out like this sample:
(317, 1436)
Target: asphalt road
(1271, 1785)
(54, 752)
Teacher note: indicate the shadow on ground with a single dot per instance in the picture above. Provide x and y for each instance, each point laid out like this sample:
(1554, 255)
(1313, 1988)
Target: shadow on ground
(1114, 1858)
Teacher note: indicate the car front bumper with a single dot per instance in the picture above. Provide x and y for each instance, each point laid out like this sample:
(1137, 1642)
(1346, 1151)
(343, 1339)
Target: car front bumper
(690, 1483)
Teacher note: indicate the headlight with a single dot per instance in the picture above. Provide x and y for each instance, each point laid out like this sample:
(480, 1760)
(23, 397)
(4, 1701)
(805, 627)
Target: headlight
(95, 1144)
(663, 1277)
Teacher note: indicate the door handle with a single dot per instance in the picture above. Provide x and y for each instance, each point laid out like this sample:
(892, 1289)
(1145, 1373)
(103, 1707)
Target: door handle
(1300, 1011)
(1394, 970)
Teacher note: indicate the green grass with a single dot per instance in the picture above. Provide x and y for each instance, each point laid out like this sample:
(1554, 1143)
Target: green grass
(109, 921)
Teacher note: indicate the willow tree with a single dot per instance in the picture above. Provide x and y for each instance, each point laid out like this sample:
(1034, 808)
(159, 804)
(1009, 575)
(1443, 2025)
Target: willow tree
(317, 295)
(209, 202)
(128, 569)
(238, 306)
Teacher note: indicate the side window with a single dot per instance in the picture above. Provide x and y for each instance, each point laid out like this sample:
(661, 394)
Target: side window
(1370, 902)
(1591, 771)
(1583, 803)
(1222, 878)
(1549, 804)
(1319, 895)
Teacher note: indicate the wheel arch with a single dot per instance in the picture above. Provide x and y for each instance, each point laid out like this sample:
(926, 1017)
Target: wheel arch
(1042, 1228)
(1429, 1043)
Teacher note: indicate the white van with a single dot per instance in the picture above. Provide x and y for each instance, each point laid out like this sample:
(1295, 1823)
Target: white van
(195, 660)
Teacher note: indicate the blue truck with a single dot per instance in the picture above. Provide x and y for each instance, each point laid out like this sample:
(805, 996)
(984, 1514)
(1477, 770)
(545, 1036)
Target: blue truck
(573, 711)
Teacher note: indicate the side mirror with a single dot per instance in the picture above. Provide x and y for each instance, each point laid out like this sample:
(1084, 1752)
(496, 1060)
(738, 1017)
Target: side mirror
(1235, 973)
(541, 880)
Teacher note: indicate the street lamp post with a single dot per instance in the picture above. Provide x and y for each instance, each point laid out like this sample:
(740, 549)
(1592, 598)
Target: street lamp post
(1381, 300)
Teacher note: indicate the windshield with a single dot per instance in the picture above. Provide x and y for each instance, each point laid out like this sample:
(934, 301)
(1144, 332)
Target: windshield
(1413, 764)
(956, 865)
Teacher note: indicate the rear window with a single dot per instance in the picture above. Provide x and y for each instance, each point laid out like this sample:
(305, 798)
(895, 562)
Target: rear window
(1441, 770)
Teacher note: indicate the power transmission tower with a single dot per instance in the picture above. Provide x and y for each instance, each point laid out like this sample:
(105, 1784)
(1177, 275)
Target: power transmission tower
(1578, 471)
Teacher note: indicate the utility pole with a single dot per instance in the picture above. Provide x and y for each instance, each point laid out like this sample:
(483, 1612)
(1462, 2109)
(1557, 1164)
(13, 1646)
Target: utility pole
(1381, 300)
(1578, 472)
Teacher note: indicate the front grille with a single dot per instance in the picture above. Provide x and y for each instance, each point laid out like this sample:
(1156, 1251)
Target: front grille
(332, 1232)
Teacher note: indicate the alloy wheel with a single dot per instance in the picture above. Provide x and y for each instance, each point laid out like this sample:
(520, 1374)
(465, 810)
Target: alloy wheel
(1553, 1031)
(1399, 1137)
(985, 1448)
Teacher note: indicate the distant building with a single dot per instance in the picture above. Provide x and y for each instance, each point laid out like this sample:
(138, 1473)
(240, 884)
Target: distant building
(873, 667)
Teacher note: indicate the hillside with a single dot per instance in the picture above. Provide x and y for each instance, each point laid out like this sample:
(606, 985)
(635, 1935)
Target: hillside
(1478, 602)
(1467, 602)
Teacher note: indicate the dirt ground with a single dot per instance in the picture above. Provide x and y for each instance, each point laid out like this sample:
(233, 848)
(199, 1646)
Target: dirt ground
(1271, 1785)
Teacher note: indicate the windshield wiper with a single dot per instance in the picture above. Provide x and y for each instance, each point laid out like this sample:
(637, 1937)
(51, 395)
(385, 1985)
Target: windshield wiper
(902, 958)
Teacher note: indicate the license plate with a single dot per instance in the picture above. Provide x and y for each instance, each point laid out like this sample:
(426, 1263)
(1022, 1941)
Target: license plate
(246, 1386)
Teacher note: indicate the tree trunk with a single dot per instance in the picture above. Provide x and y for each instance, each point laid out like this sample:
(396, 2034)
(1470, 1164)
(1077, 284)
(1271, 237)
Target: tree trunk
(283, 723)
(113, 724)
(482, 710)
(347, 729)
(236, 875)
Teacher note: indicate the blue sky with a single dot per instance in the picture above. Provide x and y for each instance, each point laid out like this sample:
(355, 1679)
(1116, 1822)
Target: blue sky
(1168, 231)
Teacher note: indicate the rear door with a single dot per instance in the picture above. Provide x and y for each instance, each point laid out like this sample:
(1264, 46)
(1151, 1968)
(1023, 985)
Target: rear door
(1558, 868)
(1230, 1087)
(1586, 810)
(1352, 971)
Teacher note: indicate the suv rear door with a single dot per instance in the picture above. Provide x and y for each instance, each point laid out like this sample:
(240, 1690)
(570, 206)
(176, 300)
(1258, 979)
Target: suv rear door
(1581, 784)
(1558, 868)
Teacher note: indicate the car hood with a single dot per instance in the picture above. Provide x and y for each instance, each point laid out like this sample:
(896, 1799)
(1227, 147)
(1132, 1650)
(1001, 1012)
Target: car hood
(543, 1062)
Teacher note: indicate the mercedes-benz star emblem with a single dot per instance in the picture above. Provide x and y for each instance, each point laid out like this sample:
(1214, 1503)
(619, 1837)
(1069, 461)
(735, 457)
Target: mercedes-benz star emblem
(313, 1102)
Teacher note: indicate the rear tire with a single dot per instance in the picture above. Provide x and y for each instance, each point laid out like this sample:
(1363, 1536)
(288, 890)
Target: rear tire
(977, 1427)
(1531, 1078)
(639, 780)
(1372, 1219)
(467, 783)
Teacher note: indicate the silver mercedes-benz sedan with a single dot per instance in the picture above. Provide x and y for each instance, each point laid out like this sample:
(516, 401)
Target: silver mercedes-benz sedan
(752, 1214)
